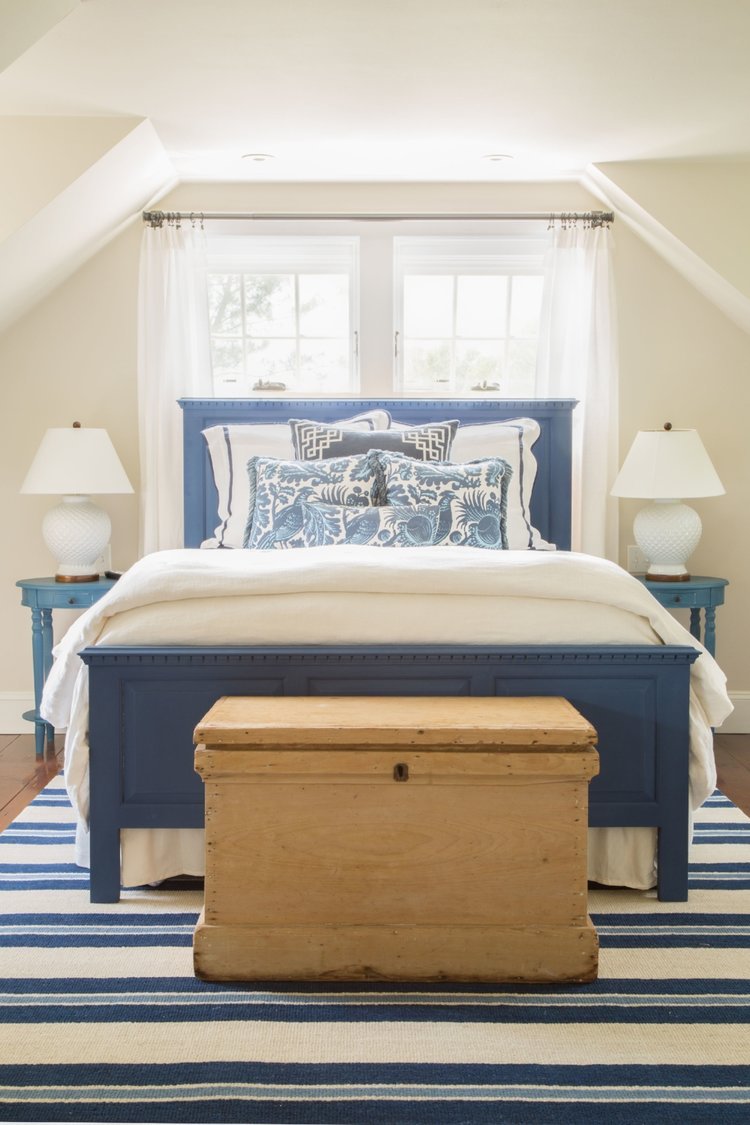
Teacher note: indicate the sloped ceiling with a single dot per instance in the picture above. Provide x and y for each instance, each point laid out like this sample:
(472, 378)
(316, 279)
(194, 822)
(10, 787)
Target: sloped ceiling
(692, 216)
(105, 104)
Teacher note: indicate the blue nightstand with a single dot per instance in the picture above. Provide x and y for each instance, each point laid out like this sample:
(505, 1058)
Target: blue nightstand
(695, 594)
(42, 595)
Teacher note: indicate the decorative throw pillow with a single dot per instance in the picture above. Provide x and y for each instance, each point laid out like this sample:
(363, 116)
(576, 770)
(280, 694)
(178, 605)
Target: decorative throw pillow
(314, 440)
(277, 488)
(428, 525)
(512, 441)
(473, 495)
(230, 447)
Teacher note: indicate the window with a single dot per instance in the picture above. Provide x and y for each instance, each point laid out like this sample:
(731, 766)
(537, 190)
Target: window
(467, 315)
(440, 314)
(281, 314)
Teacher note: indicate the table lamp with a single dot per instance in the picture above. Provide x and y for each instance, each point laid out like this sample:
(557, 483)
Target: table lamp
(664, 466)
(73, 463)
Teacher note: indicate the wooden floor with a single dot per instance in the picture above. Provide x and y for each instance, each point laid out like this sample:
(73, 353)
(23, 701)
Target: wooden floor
(21, 776)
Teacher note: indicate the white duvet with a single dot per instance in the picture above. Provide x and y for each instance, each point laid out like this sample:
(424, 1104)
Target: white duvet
(372, 595)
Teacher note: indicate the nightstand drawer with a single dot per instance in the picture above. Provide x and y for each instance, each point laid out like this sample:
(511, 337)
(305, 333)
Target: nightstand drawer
(76, 599)
(682, 599)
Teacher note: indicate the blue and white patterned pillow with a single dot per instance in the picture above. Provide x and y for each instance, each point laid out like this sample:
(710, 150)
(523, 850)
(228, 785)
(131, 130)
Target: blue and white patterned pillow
(229, 447)
(315, 440)
(276, 488)
(476, 494)
(326, 525)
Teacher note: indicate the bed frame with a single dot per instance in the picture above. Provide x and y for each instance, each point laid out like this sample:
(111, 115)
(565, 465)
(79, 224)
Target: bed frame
(145, 701)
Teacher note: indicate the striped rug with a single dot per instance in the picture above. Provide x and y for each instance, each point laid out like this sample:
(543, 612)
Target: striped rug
(103, 1020)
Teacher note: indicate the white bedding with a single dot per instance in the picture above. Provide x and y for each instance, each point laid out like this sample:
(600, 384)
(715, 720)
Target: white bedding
(370, 595)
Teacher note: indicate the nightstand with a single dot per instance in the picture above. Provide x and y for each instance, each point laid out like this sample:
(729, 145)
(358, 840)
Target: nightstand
(42, 595)
(698, 593)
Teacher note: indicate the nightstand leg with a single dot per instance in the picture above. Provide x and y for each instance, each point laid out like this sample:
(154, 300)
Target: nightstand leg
(37, 654)
(695, 623)
(710, 637)
(41, 652)
(47, 663)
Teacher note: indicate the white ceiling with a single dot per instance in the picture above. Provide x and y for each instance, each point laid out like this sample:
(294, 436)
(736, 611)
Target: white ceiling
(401, 89)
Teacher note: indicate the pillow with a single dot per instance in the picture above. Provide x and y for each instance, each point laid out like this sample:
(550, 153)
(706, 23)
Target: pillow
(471, 497)
(277, 488)
(511, 440)
(230, 447)
(313, 440)
(386, 526)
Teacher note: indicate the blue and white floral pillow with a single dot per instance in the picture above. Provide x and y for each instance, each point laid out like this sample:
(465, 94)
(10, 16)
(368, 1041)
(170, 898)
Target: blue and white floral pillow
(472, 496)
(325, 525)
(277, 488)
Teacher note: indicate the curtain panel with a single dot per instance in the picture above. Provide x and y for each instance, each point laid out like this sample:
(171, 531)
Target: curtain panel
(577, 358)
(173, 361)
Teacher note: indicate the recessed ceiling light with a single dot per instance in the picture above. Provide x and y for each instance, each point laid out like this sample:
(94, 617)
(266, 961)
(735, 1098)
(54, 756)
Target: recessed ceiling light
(258, 156)
(497, 156)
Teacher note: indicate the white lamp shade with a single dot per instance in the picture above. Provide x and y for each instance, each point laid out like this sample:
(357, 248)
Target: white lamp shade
(667, 464)
(76, 461)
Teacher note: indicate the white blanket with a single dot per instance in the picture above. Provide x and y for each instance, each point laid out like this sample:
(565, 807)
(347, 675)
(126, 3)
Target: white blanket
(374, 595)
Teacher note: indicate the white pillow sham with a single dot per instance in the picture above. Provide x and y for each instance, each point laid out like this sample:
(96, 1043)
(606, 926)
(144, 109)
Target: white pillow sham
(231, 446)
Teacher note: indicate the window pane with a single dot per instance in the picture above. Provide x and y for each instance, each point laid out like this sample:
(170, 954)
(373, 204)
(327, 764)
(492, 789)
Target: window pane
(520, 368)
(226, 358)
(269, 304)
(271, 359)
(526, 305)
(481, 305)
(428, 305)
(324, 365)
(324, 305)
(225, 303)
(477, 363)
(427, 365)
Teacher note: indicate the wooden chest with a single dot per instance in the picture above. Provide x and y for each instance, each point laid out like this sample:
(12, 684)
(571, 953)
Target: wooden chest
(426, 838)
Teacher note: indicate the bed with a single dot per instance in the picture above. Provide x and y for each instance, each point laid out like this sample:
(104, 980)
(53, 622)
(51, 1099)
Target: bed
(136, 673)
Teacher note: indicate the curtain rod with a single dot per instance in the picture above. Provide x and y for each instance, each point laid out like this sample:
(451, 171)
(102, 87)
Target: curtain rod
(588, 218)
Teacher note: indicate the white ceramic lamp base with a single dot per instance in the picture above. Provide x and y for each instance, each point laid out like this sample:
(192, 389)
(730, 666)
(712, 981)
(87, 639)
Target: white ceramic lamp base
(667, 531)
(76, 532)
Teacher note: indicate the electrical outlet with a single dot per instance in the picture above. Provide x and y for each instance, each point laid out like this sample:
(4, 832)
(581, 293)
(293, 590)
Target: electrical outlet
(637, 561)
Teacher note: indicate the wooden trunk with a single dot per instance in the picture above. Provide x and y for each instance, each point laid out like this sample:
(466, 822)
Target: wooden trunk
(395, 839)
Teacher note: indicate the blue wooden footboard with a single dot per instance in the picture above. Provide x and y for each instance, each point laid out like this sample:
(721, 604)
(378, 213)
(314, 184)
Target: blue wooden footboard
(146, 702)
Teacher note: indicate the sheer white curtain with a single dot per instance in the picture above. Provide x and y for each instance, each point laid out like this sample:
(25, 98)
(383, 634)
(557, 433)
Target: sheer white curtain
(173, 362)
(578, 359)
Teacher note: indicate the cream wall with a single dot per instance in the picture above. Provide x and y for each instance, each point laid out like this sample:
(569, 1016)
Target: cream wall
(74, 357)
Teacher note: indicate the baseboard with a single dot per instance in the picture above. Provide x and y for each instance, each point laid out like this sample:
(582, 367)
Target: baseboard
(12, 706)
(14, 703)
(739, 721)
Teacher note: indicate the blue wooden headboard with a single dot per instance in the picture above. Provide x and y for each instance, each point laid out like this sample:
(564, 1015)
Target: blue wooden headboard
(550, 502)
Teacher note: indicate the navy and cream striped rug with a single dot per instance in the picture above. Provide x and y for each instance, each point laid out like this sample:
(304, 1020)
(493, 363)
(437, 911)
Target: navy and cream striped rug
(103, 1020)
